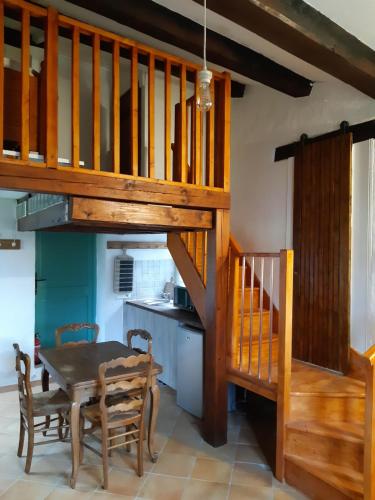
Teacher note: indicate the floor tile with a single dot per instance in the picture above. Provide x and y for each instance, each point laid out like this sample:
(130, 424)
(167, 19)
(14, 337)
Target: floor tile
(6, 482)
(124, 482)
(89, 478)
(27, 489)
(288, 493)
(205, 490)
(212, 470)
(67, 493)
(102, 495)
(174, 464)
(158, 487)
(250, 453)
(241, 492)
(251, 475)
(181, 446)
(49, 470)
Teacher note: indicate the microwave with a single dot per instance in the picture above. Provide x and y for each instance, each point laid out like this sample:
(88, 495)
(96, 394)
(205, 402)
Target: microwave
(182, 298)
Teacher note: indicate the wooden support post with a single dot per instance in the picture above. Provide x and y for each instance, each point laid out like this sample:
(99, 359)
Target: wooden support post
(1, 77)
(233, 307)
(116, 106)
(151, 116)
(215, 386)
(226, 118)
(96, 102)
(75, 98)
(52, 56)
(167, 124)
(183, 128)
(369, 438)
(25, 86)
(134, 111)
(284, 356)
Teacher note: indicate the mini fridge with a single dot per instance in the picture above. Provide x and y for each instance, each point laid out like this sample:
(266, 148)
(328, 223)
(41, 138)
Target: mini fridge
(190, 370)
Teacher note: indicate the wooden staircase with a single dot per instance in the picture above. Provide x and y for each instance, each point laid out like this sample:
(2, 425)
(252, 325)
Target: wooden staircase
(325, 421)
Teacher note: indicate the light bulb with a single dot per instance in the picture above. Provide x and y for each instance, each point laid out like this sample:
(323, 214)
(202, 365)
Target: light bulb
(204, 99)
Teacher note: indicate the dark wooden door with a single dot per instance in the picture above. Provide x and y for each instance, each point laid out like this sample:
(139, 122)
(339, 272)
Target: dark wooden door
(321, 240)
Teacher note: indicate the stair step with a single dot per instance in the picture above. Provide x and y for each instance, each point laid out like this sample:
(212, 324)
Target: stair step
(336, 443)
(255, 318)
(323, 481)
(247, 295)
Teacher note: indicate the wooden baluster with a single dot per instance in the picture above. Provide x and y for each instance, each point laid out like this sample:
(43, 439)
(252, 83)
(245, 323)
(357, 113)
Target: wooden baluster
(242, 326)
(284, 356)
(210, 140)
(194, 247)
(204, 257)
(167, 124)
(116, 105)
(226, 117)
(96, 101)
(75, 98)
(1, 77)
(51, 87)
(260, 335)
(25, 86)
(369, 438)
(151, 116)
(134, 111)
(197, 137)
(251, 312)
(270, 333)
(183, 128)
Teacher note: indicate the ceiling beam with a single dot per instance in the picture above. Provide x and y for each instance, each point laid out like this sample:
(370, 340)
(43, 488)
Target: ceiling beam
(163, 24)
(306, 33)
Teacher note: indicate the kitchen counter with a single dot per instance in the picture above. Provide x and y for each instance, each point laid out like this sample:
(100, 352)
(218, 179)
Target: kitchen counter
(170, 311)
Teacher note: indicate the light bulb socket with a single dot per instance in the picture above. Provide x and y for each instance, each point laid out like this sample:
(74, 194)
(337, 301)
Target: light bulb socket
(205, 76)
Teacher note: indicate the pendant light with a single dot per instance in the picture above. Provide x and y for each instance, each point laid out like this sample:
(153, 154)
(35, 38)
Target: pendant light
(204, 99)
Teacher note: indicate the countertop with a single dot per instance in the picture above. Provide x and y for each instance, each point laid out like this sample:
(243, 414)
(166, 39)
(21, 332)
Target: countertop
(170, 311)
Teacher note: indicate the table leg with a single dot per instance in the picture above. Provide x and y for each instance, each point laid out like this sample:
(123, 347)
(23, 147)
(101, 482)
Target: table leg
(154, 410)
(45, 379)
(75, 440)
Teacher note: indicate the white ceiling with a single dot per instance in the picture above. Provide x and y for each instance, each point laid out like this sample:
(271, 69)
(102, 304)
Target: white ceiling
(355, 16)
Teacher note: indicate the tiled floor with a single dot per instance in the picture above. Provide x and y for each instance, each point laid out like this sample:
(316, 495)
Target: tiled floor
(187, 468)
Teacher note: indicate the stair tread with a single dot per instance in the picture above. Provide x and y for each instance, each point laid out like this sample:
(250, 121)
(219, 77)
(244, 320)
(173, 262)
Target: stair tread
(349, 431)
(256, 312)
(342, 478)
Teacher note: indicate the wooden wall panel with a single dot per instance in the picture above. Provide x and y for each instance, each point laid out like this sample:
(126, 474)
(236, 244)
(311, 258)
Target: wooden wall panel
(322, 204)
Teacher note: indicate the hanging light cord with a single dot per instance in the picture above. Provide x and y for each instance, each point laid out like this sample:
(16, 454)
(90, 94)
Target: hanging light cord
(205, 34)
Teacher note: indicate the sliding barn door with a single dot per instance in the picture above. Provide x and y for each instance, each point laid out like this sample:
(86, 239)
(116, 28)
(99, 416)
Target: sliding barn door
(321, 240)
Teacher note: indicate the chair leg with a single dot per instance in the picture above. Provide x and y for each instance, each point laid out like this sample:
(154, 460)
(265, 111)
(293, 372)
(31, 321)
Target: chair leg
(22, 437)
(105, 459)
(60, 431)
(111, 434)
(30, 446)
(47, 424)
(140, 454)
(128, 445)
(81, 437)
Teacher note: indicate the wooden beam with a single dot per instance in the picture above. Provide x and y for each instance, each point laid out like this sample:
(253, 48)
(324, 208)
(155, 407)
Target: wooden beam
(306, 33)
(189, 274)
(215, 386)
(163, 24)
(91, 211)
(16, 175)
(360, 132)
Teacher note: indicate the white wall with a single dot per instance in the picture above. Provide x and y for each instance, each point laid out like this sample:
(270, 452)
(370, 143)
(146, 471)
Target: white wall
(17, 293)
(109, 306)
(262, 189)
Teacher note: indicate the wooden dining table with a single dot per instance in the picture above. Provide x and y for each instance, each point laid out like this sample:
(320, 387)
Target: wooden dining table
(75, 370)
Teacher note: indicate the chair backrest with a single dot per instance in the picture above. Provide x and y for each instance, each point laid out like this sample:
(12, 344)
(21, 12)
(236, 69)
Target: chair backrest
(130, 389)
(144, 334)
(23, 367)
(75, 327)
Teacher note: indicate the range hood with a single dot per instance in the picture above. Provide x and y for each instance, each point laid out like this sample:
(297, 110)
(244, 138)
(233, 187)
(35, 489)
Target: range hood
(44, 212)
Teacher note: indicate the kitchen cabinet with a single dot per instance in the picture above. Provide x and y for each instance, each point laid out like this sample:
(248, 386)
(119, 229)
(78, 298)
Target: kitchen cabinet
(164, 339)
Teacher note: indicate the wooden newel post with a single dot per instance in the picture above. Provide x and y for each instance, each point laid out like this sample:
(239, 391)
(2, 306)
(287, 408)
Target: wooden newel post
(215, 386)
(369, 455)
(284, 356)
(51, 86)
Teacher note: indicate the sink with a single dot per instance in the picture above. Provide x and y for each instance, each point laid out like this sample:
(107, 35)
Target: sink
(156, 302)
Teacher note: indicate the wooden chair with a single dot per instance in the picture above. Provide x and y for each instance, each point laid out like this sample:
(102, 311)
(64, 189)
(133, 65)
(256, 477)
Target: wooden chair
(75, 327)
(42, 404)
(122, 405)
(144, 334)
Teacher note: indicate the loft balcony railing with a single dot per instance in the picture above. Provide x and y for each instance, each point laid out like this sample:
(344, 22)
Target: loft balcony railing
(82, 99)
